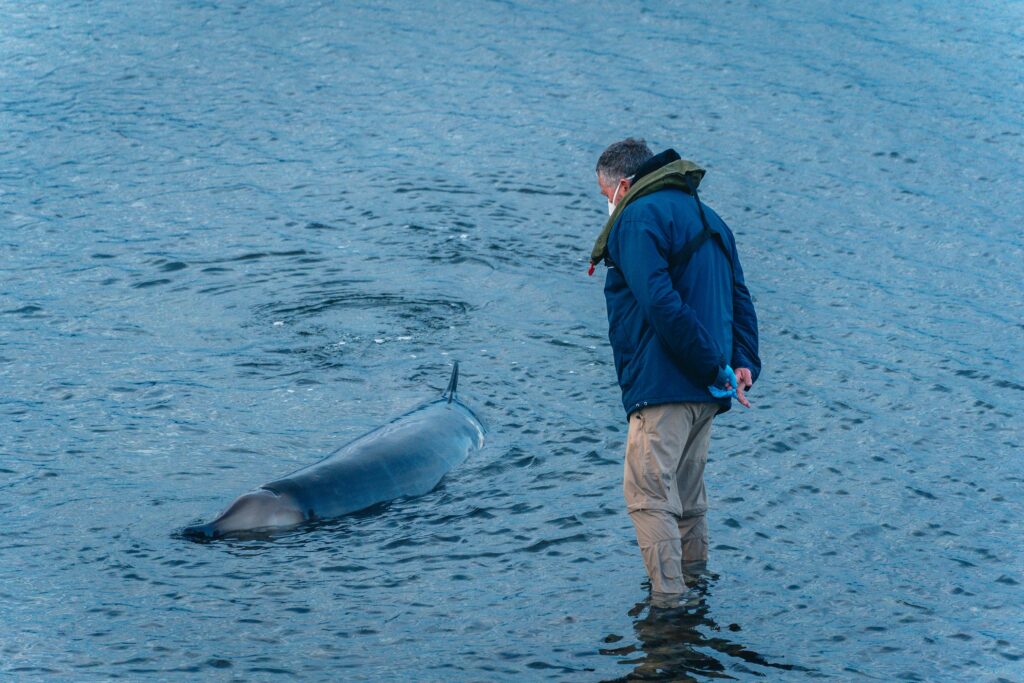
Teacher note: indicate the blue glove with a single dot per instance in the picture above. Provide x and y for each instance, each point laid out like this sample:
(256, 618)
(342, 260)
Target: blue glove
(718, 389)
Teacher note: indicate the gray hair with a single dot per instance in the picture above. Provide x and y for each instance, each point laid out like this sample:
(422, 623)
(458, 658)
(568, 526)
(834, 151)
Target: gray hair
(623, 159)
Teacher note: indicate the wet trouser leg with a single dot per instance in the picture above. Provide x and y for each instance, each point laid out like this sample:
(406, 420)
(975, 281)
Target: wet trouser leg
(693, 497)
(693, 533)
(663, 483)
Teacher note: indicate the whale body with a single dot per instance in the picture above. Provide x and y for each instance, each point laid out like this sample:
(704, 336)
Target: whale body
(406, 457)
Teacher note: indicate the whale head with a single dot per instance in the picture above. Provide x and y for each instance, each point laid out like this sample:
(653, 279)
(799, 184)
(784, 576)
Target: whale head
(259, 509)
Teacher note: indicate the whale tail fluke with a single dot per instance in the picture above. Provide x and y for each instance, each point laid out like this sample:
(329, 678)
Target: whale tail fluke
(453, 384)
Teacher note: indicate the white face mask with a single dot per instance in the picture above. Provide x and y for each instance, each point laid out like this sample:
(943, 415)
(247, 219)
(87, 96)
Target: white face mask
(611, 204)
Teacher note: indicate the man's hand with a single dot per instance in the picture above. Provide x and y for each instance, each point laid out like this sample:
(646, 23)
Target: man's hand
(744, 381)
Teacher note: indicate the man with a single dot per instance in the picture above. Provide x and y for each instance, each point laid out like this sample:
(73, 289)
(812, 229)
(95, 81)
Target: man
(680, 319)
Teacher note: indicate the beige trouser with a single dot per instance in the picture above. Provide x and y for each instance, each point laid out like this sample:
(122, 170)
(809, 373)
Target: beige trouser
(666, 451)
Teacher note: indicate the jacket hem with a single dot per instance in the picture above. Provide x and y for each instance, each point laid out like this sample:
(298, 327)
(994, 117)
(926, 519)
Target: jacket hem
(723, 404)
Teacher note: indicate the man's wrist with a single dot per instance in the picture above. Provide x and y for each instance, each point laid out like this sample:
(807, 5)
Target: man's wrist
(716, 374)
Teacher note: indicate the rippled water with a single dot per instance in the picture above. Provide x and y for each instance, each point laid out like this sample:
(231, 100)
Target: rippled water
(235, 235)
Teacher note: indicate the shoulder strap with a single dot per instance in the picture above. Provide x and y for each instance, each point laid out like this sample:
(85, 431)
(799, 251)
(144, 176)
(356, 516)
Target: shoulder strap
(682, 257)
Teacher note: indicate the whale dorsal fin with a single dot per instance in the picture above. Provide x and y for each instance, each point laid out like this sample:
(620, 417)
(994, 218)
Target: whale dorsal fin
(453, 383)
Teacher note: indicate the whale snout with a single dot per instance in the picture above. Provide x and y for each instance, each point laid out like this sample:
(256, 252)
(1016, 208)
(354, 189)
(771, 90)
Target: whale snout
(259, 509)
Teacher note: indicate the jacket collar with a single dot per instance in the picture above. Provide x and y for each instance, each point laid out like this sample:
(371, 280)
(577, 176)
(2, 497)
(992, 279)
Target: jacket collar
(662, 171)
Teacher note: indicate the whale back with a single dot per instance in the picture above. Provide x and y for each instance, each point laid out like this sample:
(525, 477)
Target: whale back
(406, 457)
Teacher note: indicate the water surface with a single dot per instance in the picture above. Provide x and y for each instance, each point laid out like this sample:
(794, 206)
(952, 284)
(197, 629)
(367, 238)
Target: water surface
(235, 235)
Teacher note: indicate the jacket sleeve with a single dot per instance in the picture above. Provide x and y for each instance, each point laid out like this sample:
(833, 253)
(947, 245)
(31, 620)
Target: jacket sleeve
(640, 251)
(744, 322)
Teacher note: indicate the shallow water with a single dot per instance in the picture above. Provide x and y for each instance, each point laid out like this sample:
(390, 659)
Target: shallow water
(235, 235)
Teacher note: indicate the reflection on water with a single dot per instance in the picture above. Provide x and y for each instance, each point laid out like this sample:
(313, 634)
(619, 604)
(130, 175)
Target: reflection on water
(685, 643)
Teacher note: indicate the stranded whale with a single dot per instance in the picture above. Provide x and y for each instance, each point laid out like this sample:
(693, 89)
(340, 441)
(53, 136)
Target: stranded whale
(406, 457)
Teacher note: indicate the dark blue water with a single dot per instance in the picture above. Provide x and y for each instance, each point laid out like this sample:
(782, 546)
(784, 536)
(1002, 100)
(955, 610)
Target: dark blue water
(234, 235)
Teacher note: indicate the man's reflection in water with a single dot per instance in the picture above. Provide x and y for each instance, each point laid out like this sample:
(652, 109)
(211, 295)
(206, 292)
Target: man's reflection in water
(675, 647)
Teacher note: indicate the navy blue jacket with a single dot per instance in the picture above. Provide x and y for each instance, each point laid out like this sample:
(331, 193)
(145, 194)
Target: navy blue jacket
(671, 329)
